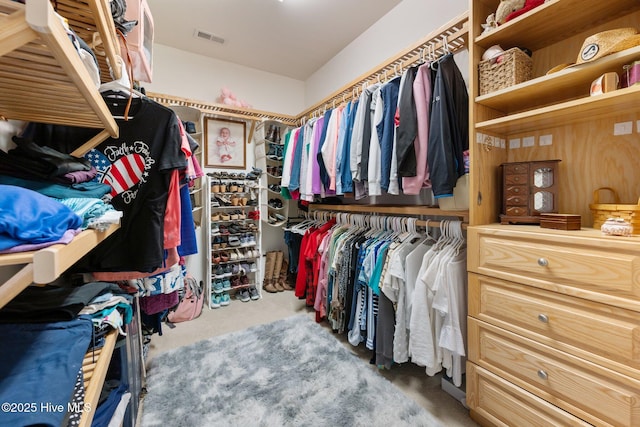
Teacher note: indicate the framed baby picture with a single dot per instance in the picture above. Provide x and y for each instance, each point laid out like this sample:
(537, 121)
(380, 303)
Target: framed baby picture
(224, 144)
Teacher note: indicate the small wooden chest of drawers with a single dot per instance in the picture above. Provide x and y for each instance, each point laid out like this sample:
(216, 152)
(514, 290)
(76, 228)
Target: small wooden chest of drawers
(529, 189)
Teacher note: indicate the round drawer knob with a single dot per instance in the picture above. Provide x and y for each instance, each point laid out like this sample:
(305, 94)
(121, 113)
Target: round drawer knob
(543, 318)
(542, 374)
(542, 262)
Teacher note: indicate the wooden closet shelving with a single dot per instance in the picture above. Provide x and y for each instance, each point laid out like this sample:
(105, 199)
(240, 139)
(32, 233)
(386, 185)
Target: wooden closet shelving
(42, 78)
(212, 109)
(46, 265)
(94, 371)
(553, 314)
(93, 23)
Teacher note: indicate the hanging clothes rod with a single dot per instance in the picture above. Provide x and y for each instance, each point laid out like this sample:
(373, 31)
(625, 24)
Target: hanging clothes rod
(416, 211)
(450, 38)
(369, 219)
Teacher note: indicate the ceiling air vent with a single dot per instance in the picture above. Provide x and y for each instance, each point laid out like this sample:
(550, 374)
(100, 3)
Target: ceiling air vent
(207, 36)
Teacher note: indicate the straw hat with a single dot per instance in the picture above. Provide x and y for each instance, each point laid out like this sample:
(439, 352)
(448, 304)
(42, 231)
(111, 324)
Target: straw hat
(603, 44)
(606, 43)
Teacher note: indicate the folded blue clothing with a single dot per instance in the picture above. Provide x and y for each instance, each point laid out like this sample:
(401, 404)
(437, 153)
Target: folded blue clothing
(40, 363)
(86, 208)
(27, 216)
(59, 191)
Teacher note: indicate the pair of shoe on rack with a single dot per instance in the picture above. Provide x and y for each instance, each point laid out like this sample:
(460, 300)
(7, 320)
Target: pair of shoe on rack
(276, 203)
(248, 294)
(227, 175)
(273, 134)
(275, 273)
(234, 241)
(221, 285)
(276, 152)
(237, 215)
(235, 187)
(220, 300)
(223, 271)
(254, 215)
(248, 253)
(218, 243)
(275, 218)
(275, 171)
(254, 174)
(275, 188)
(218, 187)
(218, 257)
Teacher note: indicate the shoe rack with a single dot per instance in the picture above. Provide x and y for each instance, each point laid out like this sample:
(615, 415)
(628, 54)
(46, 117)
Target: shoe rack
(277, 205)
(192, 121)
(233, 238)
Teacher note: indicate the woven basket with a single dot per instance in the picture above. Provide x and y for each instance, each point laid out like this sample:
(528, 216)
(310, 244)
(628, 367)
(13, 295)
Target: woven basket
(603, 211)
(514, 68)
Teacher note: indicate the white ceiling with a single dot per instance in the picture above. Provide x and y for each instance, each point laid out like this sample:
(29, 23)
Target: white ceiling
(292, 38)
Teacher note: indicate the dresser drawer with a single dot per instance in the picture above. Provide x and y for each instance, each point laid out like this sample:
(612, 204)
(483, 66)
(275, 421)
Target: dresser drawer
(573, 262)
(497, 402)
(516, 190)
(598, 395)
(517, 179)
(516, 200)
(516, 169)
(603, 334)
(517, 210)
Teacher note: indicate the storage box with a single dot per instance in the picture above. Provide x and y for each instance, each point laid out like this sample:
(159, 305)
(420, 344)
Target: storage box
(512, 67)
(560, 221)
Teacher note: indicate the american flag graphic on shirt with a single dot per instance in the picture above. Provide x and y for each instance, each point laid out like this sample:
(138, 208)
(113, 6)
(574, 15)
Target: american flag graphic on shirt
(122, 174)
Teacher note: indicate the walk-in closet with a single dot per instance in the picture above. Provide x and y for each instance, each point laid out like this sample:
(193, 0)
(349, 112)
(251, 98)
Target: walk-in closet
(304, 212)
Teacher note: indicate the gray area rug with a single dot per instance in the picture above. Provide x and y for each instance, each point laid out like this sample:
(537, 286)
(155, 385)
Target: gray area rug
(291, 372)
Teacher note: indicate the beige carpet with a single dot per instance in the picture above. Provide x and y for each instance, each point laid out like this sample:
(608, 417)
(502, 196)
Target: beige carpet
(411, 379)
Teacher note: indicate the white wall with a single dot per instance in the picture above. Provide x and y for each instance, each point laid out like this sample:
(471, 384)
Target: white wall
(408, 22)
(187, 75)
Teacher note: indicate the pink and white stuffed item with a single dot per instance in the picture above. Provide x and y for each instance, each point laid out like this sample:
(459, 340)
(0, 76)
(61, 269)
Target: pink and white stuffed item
(511, 9)
(227, 97)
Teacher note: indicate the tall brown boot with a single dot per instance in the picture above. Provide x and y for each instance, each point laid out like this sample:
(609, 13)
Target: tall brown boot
(276, 271)
(269, 264)
(282, 280)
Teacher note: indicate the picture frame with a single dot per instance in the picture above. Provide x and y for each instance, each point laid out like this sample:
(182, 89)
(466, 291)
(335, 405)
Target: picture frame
(225, 143)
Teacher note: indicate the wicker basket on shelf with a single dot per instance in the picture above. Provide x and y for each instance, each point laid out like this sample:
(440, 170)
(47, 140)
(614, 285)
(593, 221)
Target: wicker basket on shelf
(515, 67)
(603, 211)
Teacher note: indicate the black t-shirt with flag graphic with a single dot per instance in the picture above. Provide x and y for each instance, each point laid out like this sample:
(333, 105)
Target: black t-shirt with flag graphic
(137, 165)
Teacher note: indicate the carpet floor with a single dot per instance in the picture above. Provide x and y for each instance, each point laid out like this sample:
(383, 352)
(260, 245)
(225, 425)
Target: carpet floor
(290, 372)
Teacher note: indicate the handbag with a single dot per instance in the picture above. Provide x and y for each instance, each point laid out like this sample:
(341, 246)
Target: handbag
(190, 305)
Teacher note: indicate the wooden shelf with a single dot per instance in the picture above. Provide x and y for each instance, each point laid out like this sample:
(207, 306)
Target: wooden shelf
(94, 370)
(42, 78)
(46, 265)
(92, 22)
(572, 83)
(571, 112)
(211, 109)
(547, 24)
